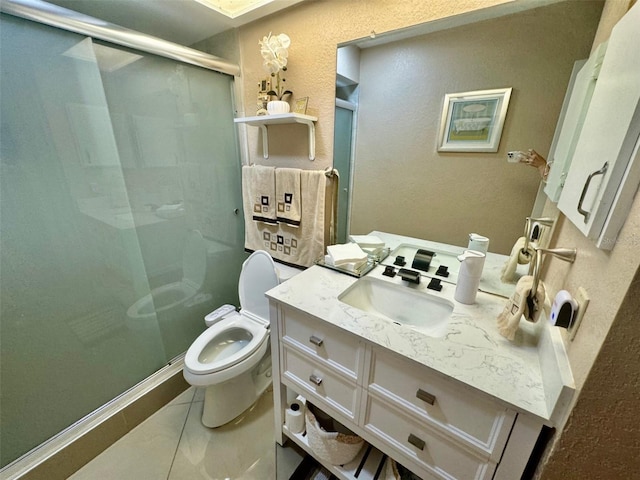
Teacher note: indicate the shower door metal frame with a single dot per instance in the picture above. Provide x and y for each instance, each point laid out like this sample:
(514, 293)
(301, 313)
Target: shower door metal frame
(59, 17)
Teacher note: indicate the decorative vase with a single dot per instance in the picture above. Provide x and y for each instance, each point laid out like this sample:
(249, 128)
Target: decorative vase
(278, 106)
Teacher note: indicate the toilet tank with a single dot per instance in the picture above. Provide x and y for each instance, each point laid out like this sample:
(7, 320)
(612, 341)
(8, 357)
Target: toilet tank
(285, 272)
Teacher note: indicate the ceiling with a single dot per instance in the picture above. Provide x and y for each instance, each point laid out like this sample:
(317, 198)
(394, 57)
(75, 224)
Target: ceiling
(181, 21)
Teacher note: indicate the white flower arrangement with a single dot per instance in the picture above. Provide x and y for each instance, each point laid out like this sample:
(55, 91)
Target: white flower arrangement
(274, 51)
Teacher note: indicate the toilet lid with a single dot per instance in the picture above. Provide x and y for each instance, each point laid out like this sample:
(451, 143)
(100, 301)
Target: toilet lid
(194, 258)
(258, 275)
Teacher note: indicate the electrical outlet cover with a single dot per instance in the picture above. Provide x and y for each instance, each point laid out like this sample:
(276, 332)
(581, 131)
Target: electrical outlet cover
(583, 302)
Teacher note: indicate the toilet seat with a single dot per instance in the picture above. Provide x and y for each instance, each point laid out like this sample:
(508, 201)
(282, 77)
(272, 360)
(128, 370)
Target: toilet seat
(213, 351)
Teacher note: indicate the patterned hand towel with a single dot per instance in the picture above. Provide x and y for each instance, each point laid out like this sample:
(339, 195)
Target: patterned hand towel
(263, 193)
(288, 196)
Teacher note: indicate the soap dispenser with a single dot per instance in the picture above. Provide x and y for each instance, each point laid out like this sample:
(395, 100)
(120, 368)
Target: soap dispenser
(478, 243)
(469, 276)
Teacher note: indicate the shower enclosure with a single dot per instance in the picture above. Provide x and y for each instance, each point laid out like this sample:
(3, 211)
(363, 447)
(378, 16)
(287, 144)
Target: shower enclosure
(120, 191)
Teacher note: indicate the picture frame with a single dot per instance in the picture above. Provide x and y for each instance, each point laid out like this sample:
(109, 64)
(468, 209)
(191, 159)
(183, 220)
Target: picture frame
(473, 121)
(301, 105)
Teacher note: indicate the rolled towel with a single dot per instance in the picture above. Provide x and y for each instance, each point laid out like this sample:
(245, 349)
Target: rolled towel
(519, 305)
(517, 257)
(346, 253)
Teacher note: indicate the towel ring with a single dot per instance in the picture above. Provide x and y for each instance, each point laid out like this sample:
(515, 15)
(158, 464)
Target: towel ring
(565, 254)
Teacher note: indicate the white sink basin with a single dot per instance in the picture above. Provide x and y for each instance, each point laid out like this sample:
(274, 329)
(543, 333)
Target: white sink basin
(401, 304)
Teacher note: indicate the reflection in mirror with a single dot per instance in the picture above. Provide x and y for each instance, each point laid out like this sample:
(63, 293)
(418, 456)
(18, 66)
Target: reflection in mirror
(401, 183)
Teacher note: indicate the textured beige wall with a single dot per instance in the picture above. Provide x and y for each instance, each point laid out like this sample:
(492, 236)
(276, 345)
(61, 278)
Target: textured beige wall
(602, 437)
(601, 440)
(402, 184)
(316, 28)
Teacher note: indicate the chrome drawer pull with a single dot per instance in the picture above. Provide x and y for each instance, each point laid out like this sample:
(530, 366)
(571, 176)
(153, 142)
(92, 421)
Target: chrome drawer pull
(416, 442)
(582, 211)
(316, 340)
(426, 396)
(315, 380)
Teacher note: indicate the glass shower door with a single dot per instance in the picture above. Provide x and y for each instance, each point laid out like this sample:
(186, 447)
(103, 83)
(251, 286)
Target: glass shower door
(173, 125)
(119, 180)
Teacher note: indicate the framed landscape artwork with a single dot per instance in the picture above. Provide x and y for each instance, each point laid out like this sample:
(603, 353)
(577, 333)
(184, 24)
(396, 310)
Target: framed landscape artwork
(473, 121)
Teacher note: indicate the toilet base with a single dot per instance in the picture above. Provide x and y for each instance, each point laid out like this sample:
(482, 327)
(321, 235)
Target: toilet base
(225, 401)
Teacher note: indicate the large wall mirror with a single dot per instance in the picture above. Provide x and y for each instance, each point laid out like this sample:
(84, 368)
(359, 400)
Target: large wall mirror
(399, 182)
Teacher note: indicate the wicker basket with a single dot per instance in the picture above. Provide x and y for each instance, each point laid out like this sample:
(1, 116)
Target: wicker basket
(332, 447)
(390, 470)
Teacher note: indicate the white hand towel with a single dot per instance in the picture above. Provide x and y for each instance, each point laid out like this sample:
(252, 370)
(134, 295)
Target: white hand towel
(367, 241)
(518, 306)
(288, 196)
(263, 193)
(346, 253)
(517, 257)
(350, 266)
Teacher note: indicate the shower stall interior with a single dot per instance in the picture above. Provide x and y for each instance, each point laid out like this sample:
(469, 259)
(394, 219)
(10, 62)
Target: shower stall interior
(120, 224)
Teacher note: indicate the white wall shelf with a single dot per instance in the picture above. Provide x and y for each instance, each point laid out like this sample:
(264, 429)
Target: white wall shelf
(282, 118)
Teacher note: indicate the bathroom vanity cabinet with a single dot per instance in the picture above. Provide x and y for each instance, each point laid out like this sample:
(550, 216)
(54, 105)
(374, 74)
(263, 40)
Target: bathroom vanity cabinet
(392, 386)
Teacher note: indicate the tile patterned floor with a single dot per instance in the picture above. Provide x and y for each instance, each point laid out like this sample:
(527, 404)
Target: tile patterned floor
(173, 444)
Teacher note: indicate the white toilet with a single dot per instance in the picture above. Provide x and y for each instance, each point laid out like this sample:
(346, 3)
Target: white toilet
(232, 358)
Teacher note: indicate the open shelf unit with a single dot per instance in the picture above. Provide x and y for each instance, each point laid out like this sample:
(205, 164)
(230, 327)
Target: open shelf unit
(366, 466)
(262, 121)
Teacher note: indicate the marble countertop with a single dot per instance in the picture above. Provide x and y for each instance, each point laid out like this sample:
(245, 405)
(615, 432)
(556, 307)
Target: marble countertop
(471, 351)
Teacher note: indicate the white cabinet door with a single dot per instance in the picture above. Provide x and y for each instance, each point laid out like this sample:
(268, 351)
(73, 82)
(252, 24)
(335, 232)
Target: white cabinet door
(581, 86)
(609, 134)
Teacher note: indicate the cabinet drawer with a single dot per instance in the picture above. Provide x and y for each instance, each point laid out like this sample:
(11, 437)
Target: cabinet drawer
(320, 382)
(337, 348)
(456, 410)
(441, 458)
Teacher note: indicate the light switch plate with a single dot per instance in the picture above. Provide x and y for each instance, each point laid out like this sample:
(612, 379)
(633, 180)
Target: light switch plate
(583, 302)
